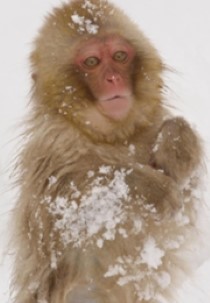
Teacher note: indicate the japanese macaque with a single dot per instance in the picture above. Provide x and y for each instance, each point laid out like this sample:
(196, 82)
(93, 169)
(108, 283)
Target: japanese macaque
(106, 208)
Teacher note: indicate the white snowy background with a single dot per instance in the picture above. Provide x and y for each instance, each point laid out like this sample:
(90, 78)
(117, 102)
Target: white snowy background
(179, 29)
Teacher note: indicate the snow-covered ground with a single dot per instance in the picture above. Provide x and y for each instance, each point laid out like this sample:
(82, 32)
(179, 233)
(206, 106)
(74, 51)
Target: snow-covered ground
(179, 29)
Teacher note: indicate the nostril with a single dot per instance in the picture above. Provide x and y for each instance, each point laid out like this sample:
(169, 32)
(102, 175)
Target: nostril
(110, 78)
(113, 78)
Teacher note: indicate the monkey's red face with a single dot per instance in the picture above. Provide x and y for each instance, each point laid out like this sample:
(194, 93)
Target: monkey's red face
(106, 65)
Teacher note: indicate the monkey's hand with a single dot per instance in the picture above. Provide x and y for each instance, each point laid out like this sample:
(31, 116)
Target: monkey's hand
(177, 150)
(155, 189)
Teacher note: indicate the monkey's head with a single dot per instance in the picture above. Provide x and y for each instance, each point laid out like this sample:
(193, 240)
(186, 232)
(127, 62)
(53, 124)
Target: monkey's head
(95, 68)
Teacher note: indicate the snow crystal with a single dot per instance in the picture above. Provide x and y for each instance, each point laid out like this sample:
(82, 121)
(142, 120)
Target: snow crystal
(182, 219)
(137, 226)
(103, 169)
(91, 28)
(176, 139)
(172, 244)
(90, 174)
(88, 5)
(53, 260)
(158, 141)
(85, 24)
(125, 280)
(52, 180)
(149, 207)
(147, 294)
(115, 270)
(123, 232)
(96, 13)
(33, 286)
(100, 243)
(64, 104)
(163, 279)
(151, 254)
(62, 112)
(75, 193)
(132, 149)
(99, 210)
(77, 19)
(70, 89)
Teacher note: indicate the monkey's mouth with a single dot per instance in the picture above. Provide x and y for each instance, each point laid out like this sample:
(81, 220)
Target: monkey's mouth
(115, 98)
(116, 106)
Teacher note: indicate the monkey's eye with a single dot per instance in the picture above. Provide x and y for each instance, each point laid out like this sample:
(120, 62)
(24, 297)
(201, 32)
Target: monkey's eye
(120, 56)
(91, 62)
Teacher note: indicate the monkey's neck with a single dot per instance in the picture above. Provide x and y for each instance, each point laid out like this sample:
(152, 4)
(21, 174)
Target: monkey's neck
(102, 129)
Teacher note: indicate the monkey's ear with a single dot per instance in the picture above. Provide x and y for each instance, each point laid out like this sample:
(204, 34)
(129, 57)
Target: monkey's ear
(34, 77)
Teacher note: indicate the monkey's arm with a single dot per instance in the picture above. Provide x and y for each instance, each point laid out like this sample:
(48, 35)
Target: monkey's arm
(155, 189)
(177, 149)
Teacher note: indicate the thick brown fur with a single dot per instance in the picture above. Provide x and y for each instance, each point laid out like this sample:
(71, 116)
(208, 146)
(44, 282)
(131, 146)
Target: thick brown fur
(154, 154)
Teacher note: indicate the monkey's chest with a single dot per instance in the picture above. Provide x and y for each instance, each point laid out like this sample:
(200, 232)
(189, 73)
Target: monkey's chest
(124, 155)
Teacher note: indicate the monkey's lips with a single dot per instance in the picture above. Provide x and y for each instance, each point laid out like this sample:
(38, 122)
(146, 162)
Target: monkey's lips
(116, 106)
(115, 98)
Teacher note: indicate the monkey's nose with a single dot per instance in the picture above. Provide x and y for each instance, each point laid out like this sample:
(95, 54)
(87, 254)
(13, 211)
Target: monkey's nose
(84, 294)
(113, 78)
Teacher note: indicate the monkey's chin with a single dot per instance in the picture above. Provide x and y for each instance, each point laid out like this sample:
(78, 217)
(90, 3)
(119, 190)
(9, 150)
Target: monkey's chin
(116, 108)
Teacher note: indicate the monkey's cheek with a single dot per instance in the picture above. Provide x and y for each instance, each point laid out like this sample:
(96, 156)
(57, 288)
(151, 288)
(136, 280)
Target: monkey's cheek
(116, 109)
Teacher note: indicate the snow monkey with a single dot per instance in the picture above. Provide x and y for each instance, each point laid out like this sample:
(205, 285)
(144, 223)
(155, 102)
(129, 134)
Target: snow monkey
(106, 176)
